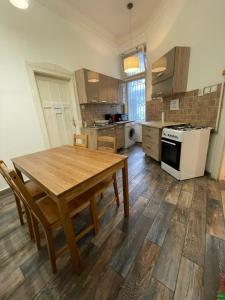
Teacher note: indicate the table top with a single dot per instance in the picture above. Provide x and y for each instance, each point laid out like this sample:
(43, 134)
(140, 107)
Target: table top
(63, 168)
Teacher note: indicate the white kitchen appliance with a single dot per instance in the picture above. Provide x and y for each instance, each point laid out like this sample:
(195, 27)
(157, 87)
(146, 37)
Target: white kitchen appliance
(184, 150)
(130, 135)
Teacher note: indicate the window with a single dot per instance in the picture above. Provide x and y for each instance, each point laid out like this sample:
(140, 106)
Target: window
(136, 99)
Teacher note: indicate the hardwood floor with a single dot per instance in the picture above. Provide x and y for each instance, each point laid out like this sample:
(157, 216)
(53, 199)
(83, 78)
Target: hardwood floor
(172, 246)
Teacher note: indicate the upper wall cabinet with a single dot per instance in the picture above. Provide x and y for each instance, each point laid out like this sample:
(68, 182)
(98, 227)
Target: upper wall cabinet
(170, 72)
(93, 87)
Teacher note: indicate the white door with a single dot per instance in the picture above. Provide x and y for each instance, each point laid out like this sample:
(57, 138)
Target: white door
(55, 97)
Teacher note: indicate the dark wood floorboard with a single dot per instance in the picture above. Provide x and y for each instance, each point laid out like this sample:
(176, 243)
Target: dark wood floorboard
(171, 247)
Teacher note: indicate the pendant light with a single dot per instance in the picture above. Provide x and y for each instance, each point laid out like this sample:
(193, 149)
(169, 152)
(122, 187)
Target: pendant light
(131, 63)
(93, 76)
(21, 4)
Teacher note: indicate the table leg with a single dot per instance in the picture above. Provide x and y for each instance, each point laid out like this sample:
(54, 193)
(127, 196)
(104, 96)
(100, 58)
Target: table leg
(125, 189)
(69, 233)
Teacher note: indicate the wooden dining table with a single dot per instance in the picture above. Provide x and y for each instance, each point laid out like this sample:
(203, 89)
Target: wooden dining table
(66, 172)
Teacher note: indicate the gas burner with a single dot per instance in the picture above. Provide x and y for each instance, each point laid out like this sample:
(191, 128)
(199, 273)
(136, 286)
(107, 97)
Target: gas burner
(186, 127)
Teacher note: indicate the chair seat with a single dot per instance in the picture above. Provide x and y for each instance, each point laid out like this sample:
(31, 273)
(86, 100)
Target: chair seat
(35, 191)
(50, 210)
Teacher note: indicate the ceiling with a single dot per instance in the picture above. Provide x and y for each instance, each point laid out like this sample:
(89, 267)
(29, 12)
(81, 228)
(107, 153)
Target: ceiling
(110, 15)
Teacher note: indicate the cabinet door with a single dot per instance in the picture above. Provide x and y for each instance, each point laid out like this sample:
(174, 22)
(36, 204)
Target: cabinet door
(92, 89)
(120, 136)
(151, 142)
(103, 89)
(122, 92)
(81, 89)
(107, 131)
(169, 58)
(163, 88)
(112, 87)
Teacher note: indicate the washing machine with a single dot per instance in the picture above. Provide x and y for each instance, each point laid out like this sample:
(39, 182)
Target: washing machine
(130, 135)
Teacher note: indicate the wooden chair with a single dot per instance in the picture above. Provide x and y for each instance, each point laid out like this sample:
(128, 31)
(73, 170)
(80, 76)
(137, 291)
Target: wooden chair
(33, 189)
(83, 138)
(45, 212)
(107, 144)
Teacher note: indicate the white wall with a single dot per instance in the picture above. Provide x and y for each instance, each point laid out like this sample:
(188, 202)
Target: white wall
(40, 36)
(199, 24)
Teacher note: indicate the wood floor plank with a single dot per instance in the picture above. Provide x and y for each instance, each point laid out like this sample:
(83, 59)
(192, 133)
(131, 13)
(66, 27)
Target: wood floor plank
(107, 229)
(136, 285)
(161, 223)
(214, 266)
(189, 281)
(167, 266)
(215, 219)
(214, 189)
(173, 193)
(155, 202)
(127, 225)
(188, 185)
(125, 256)
(10, 282)
(194, 245)
(158, 291)
(183, 207)
(199, 201)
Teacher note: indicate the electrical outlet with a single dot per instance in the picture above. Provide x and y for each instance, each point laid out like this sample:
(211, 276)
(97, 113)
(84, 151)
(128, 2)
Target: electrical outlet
(200, 92)
(207, 90)
(214, 88)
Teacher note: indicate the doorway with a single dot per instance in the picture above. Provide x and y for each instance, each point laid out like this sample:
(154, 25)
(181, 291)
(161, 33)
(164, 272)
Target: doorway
(55, 100)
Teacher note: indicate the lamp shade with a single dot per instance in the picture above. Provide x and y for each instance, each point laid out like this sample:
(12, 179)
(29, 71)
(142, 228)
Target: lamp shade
(131, 64)
(22, 4)
(93, 76)
(160, 65)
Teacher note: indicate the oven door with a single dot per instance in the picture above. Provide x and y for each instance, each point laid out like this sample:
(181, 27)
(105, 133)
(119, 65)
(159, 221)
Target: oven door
(171, 151)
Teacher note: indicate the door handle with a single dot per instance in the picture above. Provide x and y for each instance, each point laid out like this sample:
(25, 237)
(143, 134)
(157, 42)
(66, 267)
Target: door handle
(173, 144)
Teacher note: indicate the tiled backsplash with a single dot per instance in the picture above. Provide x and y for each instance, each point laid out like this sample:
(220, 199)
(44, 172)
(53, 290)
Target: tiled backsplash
(194, 109)
(91, 112)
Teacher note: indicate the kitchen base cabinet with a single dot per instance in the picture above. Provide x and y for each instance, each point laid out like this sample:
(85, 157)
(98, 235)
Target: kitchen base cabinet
(120, 136)
(116, 131)
(151, 141)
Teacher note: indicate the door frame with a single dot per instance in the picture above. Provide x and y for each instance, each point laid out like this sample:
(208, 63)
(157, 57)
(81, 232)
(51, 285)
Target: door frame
(53, 70)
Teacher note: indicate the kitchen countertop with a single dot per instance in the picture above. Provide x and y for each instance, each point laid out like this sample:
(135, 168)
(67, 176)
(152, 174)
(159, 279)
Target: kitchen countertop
(107, 126)
(159, 124)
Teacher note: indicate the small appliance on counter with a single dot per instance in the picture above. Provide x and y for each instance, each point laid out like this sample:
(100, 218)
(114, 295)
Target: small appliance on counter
(112, 118)
(184, 150)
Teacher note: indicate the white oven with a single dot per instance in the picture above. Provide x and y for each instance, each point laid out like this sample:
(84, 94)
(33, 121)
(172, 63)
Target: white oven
(184, 151)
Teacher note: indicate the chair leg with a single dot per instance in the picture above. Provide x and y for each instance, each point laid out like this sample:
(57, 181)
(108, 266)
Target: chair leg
(116, 190)
(36, 232)
(94, 215)
(29, 222)
(51, 250)
(20, 210)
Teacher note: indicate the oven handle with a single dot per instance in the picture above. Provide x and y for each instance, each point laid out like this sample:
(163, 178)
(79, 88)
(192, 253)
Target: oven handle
(168, 142)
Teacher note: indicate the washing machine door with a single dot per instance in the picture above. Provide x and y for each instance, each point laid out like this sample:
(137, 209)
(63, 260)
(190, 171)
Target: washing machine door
(131, 134)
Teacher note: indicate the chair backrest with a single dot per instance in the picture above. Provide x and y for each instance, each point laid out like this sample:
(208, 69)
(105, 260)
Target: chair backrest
(80, 140)
(21, 192)
(106, 143)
